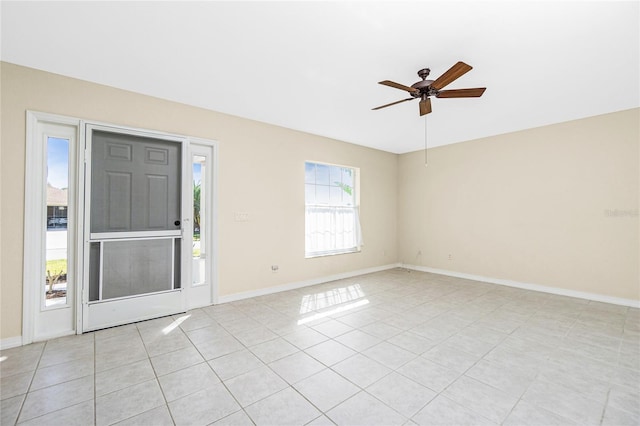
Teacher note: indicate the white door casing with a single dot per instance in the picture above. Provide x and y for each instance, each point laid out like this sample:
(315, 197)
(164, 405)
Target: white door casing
(202, 290)
(39, 321)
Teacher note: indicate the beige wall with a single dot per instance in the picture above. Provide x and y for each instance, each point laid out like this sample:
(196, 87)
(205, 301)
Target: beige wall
(532, 206)
(528, 206)
(261, 172)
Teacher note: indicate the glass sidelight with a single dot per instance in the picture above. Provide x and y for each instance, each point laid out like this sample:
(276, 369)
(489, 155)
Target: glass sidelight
(50, 246)
(57, 207)
(202, 250)
(200, 225)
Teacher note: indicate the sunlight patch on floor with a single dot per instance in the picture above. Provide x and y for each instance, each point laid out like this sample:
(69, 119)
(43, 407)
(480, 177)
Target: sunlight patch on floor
(175, 324)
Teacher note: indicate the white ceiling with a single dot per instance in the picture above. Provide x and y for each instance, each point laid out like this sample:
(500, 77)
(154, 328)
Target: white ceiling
(314, 66)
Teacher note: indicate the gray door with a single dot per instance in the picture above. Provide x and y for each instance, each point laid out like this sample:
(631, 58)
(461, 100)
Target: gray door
(135, 211)
(135, 183)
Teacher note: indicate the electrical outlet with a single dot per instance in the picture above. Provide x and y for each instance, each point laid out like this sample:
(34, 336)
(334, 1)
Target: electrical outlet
(274, 268)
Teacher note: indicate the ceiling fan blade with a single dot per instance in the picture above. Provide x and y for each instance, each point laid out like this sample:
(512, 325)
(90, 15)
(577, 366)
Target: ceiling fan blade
(392, 103)
(462, 93)
(456, 71)
(397, 86)
(425, 106)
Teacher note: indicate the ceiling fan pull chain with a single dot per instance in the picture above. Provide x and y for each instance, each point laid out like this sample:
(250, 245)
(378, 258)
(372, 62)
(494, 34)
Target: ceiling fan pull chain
(425, 141)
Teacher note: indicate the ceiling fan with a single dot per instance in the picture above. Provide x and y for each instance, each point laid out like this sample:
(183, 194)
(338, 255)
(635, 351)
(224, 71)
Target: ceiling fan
(424, 89)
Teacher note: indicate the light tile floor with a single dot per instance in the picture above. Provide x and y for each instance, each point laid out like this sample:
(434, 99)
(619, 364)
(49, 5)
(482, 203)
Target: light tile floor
(390, 348)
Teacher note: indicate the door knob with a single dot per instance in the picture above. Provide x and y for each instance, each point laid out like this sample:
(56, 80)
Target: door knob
(176, 223)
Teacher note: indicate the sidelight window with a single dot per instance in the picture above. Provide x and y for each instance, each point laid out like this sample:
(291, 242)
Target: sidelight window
(56, 221)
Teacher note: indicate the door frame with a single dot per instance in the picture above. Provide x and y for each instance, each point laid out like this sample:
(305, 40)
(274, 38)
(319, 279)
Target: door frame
(35, 194)
(196, 147)
(39, 323)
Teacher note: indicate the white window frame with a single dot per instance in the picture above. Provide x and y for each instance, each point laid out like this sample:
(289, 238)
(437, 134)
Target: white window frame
(200, 295)
(356, 188)
(41, 322)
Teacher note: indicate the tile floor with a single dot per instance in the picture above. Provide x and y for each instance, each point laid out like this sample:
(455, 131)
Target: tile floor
(391, 348)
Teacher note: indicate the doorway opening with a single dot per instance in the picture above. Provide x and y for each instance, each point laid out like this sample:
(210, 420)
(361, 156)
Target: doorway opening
(120, 225)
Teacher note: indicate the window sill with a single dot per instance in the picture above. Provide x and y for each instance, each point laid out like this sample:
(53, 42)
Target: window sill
(332, 253)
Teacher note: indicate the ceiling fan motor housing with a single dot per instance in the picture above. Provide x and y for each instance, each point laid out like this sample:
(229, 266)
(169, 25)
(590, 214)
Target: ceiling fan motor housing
(424, 87)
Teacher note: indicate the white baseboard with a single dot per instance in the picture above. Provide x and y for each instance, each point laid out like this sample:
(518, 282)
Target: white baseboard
(529, 286)
(10, 342)
(300, 284)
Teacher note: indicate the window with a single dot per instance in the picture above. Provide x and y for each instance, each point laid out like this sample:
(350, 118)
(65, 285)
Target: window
(199, 250)
(56, 242)
(49, 306)
(331, 202)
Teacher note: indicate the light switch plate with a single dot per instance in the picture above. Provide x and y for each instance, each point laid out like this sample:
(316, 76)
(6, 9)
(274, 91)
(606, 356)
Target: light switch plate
(241, 216)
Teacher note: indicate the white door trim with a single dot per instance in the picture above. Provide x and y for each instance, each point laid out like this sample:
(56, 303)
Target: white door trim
(212, 219)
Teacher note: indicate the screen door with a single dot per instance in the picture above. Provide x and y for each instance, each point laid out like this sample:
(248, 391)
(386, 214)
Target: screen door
(133, 253)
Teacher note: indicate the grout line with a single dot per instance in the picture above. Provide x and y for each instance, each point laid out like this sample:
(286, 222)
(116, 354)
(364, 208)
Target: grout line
(26, 394)
(222, 382)
(157, 379)
(606, 405)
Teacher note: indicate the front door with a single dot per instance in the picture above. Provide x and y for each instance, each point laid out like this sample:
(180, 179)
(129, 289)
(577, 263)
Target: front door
(133, 227)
